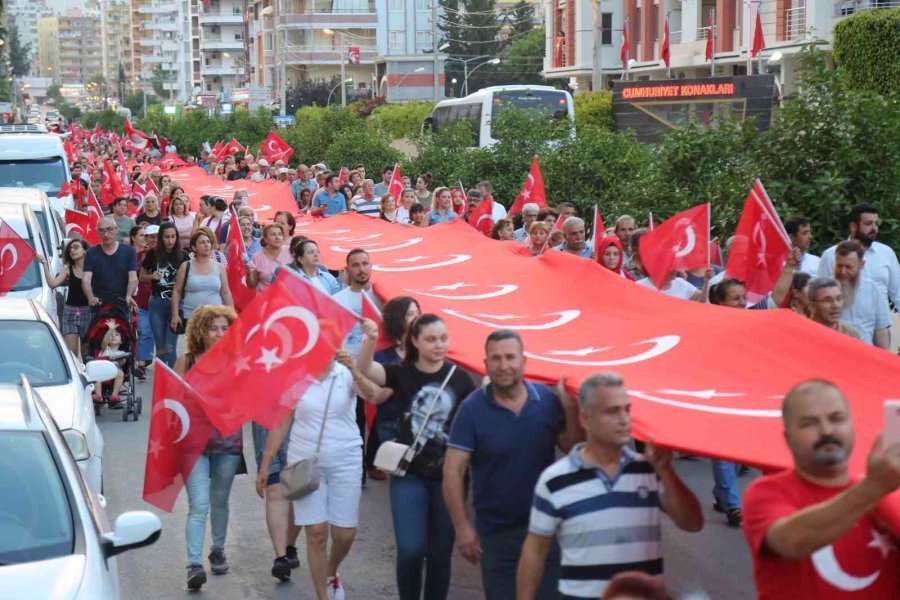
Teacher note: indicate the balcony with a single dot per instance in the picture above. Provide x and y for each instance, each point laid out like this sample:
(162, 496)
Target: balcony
(843, 8)
(325, 54)
(795, 23)
(221, 70)
(157, 59)
(161, 25)
(341, 19)
(224, 18)
(210, 45)
(162, 9)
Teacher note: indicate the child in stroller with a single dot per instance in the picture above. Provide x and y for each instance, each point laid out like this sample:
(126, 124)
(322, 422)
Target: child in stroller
(111, 336)
(111, 348)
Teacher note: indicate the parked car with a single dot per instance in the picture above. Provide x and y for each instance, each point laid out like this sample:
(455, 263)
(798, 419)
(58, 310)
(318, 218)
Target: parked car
(33, 283)
(34, 347)
(30, 157)
(55, 539)
(7, 112)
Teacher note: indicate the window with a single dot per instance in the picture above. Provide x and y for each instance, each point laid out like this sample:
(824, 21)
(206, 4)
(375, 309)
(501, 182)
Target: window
(640, 26)
(606, 29)
(396, 6)
(423, 4)
(395, 40)
(423, 41)
(656, 22)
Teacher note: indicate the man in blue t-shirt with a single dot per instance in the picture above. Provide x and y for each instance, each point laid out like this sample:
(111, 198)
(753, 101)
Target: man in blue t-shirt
(508, 432)
(110, 269)
(329, 201)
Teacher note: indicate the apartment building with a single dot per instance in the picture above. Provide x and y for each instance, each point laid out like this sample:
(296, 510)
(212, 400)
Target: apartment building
(584, 39)
(70, 48)
(166, 41)
(24, 15)
(115, 20)
(223, 47)
(407, 66)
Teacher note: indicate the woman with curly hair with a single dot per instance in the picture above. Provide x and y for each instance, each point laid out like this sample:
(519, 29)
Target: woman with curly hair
(209, 484)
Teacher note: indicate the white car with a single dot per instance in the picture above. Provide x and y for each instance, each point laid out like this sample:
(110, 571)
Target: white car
(32, 158)
(33, 283)
(55, 539)
(33, 346)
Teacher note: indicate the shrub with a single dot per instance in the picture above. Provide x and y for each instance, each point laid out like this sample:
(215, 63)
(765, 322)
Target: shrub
(593, 108)
(400, 120)
(866, 46)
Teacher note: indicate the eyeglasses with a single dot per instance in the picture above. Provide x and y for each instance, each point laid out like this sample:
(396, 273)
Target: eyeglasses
(107, 229)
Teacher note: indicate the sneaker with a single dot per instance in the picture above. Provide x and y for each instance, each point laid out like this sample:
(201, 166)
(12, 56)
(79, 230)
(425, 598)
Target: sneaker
(196, 577)
(376, 474)
(335, 589)
(718, 507)
(735, 517)
(140, 373)
(281, 570)
(292, 557)
(217, 563)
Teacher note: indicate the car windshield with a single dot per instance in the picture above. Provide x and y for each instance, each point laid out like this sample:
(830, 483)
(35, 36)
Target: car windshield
(29, 348)
(35, 517)
(45, 224)
(47, 174)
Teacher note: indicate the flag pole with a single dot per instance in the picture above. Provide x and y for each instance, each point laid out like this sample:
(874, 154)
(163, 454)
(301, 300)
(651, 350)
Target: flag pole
(748, 33)
(708, 236)
(627, 50)
(669, 44)
(712, 32)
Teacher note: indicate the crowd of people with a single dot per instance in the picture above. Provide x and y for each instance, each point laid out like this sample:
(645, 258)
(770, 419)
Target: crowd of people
(586, 525)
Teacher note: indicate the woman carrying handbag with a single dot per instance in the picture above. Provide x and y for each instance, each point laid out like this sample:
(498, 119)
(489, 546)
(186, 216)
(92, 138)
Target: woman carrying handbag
(429, 389)
(324, 473)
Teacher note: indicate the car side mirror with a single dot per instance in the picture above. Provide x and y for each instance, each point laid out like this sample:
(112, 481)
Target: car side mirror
(134, 529)
(100, 370)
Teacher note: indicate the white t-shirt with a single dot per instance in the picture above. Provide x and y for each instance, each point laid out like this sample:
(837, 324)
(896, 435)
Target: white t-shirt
(341, 432)
(401, 215)
(679, 288)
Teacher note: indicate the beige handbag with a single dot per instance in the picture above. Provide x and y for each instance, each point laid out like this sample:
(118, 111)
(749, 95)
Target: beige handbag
(302, 478)
(394, 458)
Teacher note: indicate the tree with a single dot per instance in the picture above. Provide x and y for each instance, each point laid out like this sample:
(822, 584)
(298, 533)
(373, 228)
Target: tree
(520, 19)
(160, 77)
(311, 92)
(54, 93)
(121, 81)
(523, 59)
(471, 28)
(19, 55)
(866, 45)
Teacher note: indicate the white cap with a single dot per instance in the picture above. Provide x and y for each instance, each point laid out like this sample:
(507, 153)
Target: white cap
(263, 162)
(283, 170)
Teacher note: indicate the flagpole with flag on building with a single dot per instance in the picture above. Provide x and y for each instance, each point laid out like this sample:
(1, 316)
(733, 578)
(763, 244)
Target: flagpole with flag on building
(623, 53)
(711, 42)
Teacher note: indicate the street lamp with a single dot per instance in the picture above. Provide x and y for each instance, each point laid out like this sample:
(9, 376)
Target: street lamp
(341, 85)
(332, 33)
(466, 73)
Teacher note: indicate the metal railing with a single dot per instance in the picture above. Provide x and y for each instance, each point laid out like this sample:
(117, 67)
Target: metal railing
(843, 8)
(674, 37)
(795, 23)
(703, 32)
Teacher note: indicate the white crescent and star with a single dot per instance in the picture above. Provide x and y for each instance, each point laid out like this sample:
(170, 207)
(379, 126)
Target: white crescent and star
(8, 249)
(502, 290)
(516, 321)
(709, 408)
(178, 408)
(690, 240)
(660, 345)
(380, 247)
(448, 259)
(827, 566)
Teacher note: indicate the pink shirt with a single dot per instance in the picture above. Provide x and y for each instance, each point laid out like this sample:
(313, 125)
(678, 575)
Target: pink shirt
(265, 266)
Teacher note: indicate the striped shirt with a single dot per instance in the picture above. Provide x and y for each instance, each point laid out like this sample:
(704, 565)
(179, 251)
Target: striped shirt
(362, 206)
(604, 525)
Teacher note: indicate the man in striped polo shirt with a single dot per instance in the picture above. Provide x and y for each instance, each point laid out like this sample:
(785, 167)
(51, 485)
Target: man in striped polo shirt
(602, 501)
(366, 203)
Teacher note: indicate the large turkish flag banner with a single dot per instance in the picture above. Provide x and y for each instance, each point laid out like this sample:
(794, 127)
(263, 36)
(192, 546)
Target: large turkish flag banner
(702, 378)
(267, 197)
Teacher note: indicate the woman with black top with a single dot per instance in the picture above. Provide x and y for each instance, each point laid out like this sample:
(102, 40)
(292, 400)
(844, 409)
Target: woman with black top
(422, 526)
(159, 268)
(76, 312)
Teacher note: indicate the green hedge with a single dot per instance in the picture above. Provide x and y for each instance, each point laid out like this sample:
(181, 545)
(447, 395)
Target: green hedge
(593, 108)
(867, 47)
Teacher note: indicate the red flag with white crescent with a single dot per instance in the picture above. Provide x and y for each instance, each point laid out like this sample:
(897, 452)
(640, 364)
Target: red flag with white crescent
(395, 188)
(599, 231)
(370, 311)
(83, 224)
(16, 256)
(532, 191)
(710, 39)
(138, 138)
(273, 145)
(626, 48)
(759, 42)
(665, 52)
(171, 161)
(179, 432)
(232, 147)
(111, 186)
(285, 336)
(680, 243)
(237, 266)
(482, 217)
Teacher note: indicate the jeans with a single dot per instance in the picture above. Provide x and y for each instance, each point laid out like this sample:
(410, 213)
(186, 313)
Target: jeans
(208, 488)
(423, 533)
(166, 340)
(144, 337)
(500, 560)
(725, 489)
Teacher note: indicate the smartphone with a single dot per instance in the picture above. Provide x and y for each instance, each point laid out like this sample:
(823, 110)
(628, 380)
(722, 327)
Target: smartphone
(891, 433)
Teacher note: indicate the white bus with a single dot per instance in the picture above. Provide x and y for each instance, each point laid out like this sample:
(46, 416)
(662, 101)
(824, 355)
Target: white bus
(478, 108)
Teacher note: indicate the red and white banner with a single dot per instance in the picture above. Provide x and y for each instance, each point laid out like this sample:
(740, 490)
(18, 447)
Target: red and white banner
(353, 55)
(266, 197)
(701, 377)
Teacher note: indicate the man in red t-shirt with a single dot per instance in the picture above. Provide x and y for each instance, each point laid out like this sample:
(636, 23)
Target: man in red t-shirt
(811, 530)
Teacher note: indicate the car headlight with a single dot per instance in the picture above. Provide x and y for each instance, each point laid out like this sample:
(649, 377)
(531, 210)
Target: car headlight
(77, 444)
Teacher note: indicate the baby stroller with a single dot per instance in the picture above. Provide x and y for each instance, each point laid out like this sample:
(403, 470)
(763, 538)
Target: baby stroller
(132, 405)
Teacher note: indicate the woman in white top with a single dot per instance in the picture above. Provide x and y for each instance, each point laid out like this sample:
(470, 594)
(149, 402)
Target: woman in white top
(183, 219)
(215, 217)
(679, 288)
(334, 506)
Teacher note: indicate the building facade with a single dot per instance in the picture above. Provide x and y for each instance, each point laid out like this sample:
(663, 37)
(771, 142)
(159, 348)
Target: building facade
(24, 15)
(407, 66)
(166, 47)
(584, 39)
(115, 22)
(70, 48)
(223, 47)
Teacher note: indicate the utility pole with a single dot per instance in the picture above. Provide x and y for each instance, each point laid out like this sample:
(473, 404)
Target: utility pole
(597, 74)
(343, 60)
(434, 46)
(282, 70)
(712, 32)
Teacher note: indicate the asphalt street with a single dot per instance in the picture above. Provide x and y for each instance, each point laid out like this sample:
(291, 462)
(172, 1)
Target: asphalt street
(714, 563)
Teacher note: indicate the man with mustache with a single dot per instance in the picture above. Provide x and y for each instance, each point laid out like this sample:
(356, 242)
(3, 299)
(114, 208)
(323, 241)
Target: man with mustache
(826, 303)
(865, 305)
(573, 229)
(811, 530)
(881, 265)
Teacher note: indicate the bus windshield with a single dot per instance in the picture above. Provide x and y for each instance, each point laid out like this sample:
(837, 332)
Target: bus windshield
(550, 102)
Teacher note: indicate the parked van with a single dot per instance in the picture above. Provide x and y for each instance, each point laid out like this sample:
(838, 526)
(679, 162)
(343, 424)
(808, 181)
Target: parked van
(30, 158)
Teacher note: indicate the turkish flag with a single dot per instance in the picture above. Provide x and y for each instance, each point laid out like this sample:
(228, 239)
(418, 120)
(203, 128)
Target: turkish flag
(138, 138)
(121, 156)
(342, 176)
(370, 311)
(237, 266)
(111, 187)
(353, 55)
(232, 147)
(96, 136)
(715, 253)
(532, 191)
(273, 145)
(283, 338)
(482, 217)
(171, 161)
(558, 226)
(179, 432)
(285, 156)
(623, 53)
(67, 188)
(84, 224)
(599, 231)
(70, 151)
(759, 42)
(558, 49)
(395, 187)
(681, 242)
(664, 52)
(710, 39)
(16, 255)
(761, 246)
(93, 205)
(216, 150)
(138, 193)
